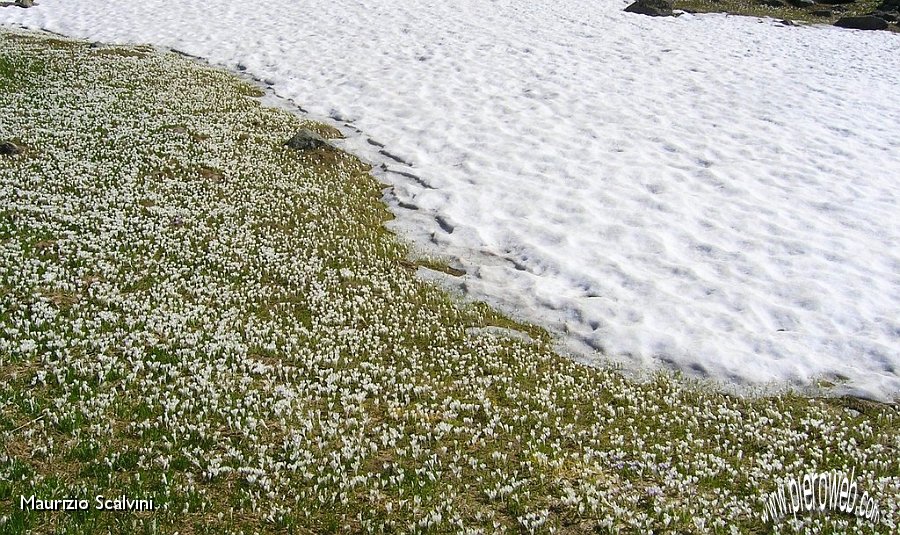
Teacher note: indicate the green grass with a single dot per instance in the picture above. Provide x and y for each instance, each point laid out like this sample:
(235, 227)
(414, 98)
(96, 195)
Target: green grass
(193, 313)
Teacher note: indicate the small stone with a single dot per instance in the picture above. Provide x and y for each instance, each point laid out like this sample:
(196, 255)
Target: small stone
(306, 139)
(862, 23)
(8, 148)
(652, 8)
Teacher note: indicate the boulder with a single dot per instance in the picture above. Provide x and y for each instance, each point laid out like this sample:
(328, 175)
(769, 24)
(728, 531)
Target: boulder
(25, 3)
(867, 22)
(306, 139)
(652, 8)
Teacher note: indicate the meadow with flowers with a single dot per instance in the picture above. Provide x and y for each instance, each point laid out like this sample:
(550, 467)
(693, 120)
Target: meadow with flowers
(194, 313)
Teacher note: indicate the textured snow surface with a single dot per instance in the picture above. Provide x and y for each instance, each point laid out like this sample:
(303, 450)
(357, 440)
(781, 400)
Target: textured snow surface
(718, 194)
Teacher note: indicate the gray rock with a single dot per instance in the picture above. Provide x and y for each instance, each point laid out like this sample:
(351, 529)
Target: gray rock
(652, 8)
(25, 3)
(8, 148)
(862, 23)
(306, 139)
(499, 332)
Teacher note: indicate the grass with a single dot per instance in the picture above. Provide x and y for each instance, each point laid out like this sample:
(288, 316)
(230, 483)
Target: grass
(753, 9)
(192, 313)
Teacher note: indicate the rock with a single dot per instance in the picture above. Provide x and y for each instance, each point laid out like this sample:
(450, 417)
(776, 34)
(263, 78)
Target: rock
(835, 2)
(499, 332)
(889, 5)
(306, 139)
(822, 13)
(802, 3)
(25, 3)
(8, 148)
(786, 22)
(652, 8)
(889, 17)
(867, 22)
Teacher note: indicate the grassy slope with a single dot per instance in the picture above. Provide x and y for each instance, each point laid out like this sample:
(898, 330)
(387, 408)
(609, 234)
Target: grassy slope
(753, 9)
(191, 312)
